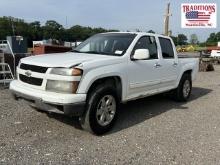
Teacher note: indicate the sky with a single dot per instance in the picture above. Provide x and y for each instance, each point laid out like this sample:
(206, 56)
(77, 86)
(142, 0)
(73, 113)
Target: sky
(122, 15)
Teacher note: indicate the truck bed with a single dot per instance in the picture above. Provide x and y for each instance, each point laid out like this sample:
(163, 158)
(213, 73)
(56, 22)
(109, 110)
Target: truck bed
(189, 55)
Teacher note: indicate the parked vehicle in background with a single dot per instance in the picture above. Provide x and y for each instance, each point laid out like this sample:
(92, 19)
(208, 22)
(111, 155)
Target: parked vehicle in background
(215, 53)
(102, 72)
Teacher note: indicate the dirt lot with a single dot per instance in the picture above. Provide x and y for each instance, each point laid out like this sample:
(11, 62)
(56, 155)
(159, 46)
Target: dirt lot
(154, 130)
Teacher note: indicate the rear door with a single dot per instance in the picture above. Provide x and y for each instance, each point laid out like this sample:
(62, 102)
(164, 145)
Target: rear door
(169, 62)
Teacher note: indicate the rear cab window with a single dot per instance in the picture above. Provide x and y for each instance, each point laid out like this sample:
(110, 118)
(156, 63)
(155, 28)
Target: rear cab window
(166, 48)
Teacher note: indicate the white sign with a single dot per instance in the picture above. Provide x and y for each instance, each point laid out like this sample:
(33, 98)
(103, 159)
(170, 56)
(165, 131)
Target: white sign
(199, 15)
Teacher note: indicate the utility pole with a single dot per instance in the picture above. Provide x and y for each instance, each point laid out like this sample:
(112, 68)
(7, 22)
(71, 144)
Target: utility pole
(11, 19)
(167, 32)
(66, 22)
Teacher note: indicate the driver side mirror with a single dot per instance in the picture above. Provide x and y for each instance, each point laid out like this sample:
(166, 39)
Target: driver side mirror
(141, 54)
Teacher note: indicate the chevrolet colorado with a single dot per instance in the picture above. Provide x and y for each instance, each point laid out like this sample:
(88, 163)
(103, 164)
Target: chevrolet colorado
(103, 71)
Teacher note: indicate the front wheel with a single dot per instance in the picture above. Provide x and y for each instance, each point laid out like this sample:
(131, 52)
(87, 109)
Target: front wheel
(183, 91)
(101, 110)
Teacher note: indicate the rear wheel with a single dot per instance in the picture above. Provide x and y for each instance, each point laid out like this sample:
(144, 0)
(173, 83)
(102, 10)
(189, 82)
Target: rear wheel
(101, 110)
(183, 91)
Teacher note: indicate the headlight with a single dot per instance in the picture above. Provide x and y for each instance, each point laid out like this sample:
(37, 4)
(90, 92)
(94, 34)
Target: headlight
(62, 86)
(66, 71)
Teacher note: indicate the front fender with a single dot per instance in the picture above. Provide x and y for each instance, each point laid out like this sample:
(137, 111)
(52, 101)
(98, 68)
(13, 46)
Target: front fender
(108, 71)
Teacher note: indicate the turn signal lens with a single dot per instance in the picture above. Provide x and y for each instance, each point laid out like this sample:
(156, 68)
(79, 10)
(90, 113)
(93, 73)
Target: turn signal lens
(77, 72)
(75, 86)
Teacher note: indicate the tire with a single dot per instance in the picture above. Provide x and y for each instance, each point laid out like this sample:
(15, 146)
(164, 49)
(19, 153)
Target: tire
(99, 120)
(183, 91)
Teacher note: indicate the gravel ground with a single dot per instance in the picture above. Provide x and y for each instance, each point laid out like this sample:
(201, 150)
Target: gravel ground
(155, 130)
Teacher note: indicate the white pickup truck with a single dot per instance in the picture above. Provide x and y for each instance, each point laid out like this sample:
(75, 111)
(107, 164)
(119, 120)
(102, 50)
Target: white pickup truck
(105, 70)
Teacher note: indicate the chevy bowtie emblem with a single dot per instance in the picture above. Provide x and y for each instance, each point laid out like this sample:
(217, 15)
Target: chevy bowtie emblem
(28, 73)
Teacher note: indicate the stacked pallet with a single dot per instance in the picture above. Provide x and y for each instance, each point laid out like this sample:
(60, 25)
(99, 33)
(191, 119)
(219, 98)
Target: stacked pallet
(206, 65)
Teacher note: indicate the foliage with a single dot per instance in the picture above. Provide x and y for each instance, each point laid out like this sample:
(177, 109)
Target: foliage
(181, 39)
(213, 39)
(53, 30)
(194, 39)
(12, 26)
(174, 40)
(151, 31)
(34, 31)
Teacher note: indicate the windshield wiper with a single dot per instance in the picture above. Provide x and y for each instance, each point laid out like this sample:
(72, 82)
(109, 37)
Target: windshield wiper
(95, 52)
(92, 52)
(75, 51)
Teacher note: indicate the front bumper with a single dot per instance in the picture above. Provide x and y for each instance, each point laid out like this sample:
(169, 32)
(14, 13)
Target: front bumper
(68, 104)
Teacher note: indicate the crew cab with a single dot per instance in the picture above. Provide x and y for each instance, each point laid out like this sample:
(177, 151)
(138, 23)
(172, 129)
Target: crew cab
(102, 72)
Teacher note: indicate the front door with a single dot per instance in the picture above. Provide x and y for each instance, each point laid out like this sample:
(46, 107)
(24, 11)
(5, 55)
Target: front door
(144, 75)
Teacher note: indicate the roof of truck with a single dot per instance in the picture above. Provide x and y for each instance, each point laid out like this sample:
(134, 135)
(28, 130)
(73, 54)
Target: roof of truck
(140, 33)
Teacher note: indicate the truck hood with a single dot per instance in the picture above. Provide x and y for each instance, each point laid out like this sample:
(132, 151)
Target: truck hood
(68, 59)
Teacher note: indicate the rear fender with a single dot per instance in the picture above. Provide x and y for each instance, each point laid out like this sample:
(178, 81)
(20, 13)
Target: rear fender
(193, 67)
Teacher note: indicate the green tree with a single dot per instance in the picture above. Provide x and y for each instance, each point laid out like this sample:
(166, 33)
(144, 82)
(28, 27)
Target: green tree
(212, 40)
(21, 27)
(52, 30)
(151, 31)
(12, 26)
(181, 39)
(202, 44)
(174, 40)
(218, 36)
(5, 28)
(35, 31)
(194, 39)
(77, 32)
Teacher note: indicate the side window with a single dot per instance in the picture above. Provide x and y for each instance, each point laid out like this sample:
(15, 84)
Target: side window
(147, 42)
(166, 48)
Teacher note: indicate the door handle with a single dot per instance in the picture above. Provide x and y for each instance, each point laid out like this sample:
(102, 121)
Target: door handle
(175, 64)
(157, 65)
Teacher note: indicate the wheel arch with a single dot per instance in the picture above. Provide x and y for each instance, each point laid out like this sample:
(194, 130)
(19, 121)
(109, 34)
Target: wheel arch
(186, 71)
(115, 80)
(189, 71)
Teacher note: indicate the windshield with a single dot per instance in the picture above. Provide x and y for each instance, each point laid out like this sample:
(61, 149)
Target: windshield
(115, 44)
